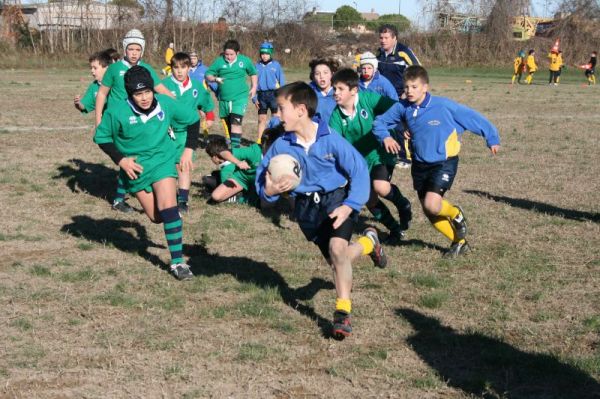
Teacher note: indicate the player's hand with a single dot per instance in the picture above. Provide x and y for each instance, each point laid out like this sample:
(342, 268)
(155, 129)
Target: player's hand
(340, 214)
(243, 165)
(202, 114)
(494, 149)
(284, 184)
(131, 168)
(253, 93)
(391, 145)
(185, 162)
(406, 134)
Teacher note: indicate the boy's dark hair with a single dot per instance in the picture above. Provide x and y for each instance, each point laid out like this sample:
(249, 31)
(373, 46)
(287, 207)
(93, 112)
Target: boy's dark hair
(531, 51)
(347, 76)
(388, 28)
(299, 93)
(414, 72)
(113, 54)
(181, 58)
(232, 45)
(270, 135)
(595, 53)
(333, 65)
(102, 58)
(216, 146)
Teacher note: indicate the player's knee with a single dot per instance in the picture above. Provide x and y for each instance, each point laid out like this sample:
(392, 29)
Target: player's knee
(381, 187)
(337, 250)
(236, 119)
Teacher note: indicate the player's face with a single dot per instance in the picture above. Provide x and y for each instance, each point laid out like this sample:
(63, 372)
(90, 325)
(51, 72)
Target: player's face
(230, 55)
(367, 71)
(97, 70)
(387, 41)
(323, 76)
(194, 60)
(343, 94)
(133, 53)
(143, 98)
(415, 90)
(265, 57)
(289, 113)
(180, 71)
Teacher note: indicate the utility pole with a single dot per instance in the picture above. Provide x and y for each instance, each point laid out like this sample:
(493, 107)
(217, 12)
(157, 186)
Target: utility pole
(399, 7)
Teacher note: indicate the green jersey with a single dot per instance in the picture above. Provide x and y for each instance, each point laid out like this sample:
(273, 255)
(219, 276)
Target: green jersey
(89, 98)
(245, 178)
(114, 79)
(145, 137)
(193, 95)
(357, 129)
(234, 86)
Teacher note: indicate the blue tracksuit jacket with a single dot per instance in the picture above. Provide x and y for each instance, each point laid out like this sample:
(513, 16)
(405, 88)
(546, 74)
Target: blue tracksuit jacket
(329, 163)
(436, 127)
(270, 75)
(326, 103)
(380, 85)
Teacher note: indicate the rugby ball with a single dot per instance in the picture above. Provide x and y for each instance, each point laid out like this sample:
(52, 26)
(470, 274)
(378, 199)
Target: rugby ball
(285, 165)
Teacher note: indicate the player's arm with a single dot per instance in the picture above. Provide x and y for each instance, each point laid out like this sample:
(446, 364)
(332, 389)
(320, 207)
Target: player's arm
(265, 187)
(162, 89)
(186, 116)
(385, 122)
(353, 164)
(254, 86)
(228, 156)
(100, 102)
(476, 123)
(280, 75)
(77, 103)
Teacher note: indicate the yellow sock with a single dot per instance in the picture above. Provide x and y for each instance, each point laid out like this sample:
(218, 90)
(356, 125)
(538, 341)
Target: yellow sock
(513, 78)
(593, 79)
(367, 244)
(443, 225)
(343, 305)
(558, 80)
(448, 210)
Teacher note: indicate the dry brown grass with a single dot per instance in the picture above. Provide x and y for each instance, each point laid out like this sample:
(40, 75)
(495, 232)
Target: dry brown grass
(89, 312)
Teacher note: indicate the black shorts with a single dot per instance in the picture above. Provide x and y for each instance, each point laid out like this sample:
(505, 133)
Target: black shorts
(266, 101)
(434, 177)
(312, 213)
(382, 172)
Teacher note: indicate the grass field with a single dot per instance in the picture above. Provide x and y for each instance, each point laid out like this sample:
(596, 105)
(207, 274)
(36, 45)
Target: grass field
(90, 311)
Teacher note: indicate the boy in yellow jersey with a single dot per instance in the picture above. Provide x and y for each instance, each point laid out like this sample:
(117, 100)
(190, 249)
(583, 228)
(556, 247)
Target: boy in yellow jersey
(519, 67)
(435, 125)
(555, 65)
(531, 66)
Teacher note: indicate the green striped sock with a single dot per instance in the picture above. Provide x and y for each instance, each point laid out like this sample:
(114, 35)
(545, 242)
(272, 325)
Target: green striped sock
(120, 194)
(173, 227)
(236, 140)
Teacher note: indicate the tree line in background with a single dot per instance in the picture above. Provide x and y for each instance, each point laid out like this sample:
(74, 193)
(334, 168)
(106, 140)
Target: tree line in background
(204, 26)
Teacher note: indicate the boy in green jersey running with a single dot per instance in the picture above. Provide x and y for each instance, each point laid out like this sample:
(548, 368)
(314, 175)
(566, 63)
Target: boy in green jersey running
(135, 134)
(191, 94)
(230, 71)
(353, 118)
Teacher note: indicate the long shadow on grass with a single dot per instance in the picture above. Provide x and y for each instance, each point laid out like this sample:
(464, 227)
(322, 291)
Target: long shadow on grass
(115, 233)
(95, 179)
(540, 207)
(487, 367)
(246, 270)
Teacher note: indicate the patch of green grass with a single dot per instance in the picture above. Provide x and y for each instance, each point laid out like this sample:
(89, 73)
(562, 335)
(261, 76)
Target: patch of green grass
(112, 272)
(257, 309)
(86, 274)
(174, 371)
(117, 297)
(85, 246)
(427, 280)
(592, 323)
(427, 382)
(22, 324)
(40, 271)
(252, 352)
(75, 322)
(29, 356)
(283, 326)
(541, 316)
(534, 296)
(194, 394)
(433, 300)
(219, 312)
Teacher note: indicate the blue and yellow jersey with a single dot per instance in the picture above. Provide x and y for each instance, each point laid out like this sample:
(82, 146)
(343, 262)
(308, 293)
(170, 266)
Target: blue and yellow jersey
(436, 127)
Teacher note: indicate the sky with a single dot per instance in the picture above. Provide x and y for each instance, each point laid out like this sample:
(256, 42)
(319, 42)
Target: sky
(409, 8)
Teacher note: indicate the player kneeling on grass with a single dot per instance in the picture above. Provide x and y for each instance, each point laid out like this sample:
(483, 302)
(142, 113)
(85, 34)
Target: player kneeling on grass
(191, 94)
(333, 189)
(435, 127)
(134, 133)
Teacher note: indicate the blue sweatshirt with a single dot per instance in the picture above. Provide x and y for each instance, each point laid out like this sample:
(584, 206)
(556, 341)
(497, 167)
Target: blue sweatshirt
(380, 85)
(436, 127)
(198, 73)
(392, 65)
(329, 163)
(270, 75)
(326, 103)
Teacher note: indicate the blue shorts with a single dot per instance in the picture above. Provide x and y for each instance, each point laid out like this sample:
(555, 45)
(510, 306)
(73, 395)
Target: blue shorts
(266, 101)
(434, 177)
(312, 213)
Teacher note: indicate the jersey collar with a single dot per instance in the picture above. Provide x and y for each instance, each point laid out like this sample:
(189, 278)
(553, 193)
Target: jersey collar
(424, 104)
(183, 86)
(143, 116)
(351, 116)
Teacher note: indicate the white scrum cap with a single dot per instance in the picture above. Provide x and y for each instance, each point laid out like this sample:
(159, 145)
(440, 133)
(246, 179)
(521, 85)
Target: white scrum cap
(369, 58)
(134, 36)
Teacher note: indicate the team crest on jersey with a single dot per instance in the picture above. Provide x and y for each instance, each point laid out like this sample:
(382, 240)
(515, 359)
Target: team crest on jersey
(195, 93)
(241, 64)
(329, 157)
(434, 123)
(344, 122)
(161, 116)
(364, 113)
(132, 120)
